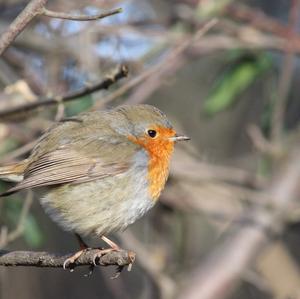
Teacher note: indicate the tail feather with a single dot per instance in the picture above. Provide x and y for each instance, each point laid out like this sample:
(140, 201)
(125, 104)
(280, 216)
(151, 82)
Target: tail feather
(14, 172)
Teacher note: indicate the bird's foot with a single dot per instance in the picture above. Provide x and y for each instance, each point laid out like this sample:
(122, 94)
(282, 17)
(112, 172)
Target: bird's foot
(100, 252)
(72, 259)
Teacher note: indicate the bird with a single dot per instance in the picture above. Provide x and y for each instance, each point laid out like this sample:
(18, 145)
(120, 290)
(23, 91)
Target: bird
(102, 170)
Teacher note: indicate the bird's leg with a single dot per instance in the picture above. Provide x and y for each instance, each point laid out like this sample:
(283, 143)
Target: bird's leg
(112, 244)
(113, 247)
(72, 259)
(82, 244)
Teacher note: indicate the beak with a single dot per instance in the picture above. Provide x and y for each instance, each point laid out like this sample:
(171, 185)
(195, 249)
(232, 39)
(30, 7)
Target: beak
(179, 138)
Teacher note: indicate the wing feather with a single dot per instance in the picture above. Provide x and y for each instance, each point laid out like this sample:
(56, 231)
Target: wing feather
(77, 164)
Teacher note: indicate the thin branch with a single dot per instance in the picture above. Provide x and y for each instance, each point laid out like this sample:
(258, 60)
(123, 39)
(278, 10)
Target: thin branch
(262, 144)
(45, 259)
(33, 9)
(120, 73)
(20, 151)
(262, 22)
(285, 80)
(18, 231)
(158, 68)
(72, 17)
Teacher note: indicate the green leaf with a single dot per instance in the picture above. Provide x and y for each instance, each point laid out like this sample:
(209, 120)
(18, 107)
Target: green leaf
(8, 145)
(32, 233)
(75, 107)
(234, 82)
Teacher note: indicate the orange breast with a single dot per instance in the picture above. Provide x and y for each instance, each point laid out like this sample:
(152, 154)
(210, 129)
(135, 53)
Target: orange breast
(160, 151)
(159, 167)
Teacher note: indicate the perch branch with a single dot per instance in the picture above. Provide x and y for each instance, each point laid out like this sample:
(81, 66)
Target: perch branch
(51, 260)
(121, 72)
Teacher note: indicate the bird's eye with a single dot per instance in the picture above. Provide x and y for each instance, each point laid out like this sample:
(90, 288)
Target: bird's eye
(152, 133)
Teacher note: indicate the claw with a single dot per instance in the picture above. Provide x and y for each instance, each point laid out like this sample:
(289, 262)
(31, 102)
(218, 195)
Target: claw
(72, 259)
(95, 258)
(68, 262)
(101, 252)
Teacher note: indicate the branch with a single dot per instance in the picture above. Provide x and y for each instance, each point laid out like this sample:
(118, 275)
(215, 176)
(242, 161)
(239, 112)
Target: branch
(277, 125)
(220, 273)
(33, 9)
(18, 231)
(262, 144)
(157, 70)
(51, 260)
(67, 16)
(259, 20)
(120, 73)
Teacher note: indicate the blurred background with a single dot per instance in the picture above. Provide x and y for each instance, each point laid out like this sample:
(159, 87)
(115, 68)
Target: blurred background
(233, 89)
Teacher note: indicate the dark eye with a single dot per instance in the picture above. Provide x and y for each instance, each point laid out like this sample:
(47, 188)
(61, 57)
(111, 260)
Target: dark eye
(151, 133)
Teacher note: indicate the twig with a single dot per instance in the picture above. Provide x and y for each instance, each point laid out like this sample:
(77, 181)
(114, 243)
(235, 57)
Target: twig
(18, 231)
(277, 125)
(189, 168)
(262, 144)
(45, 259)
(222, 270)
(174, 61)
(72, 17)
(156, 69)
(18, 152)
(33, 9)
(120, 73)
(259, 20)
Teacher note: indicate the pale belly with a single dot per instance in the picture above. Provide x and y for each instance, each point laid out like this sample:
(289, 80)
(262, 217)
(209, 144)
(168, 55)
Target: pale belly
(102, 206)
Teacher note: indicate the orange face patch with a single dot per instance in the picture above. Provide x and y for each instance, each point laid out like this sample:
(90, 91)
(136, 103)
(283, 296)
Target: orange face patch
(160, 150)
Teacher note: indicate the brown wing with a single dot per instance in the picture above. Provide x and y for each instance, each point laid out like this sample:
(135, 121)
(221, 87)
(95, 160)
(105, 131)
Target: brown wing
(77, 163)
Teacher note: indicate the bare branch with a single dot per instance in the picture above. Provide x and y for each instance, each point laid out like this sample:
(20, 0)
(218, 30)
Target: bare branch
(262, 144)
(157, 69)
(13, 155)
(219, 274)
(285, 79)
(10, 113)
(37, 7)
(262, 22)
(45, 259)
(33, 9)
(72, 17)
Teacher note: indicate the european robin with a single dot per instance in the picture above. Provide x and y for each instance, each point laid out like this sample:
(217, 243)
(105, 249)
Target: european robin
(104, 169)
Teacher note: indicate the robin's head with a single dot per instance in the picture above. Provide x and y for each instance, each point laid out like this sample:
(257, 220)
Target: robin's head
(149, 127)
